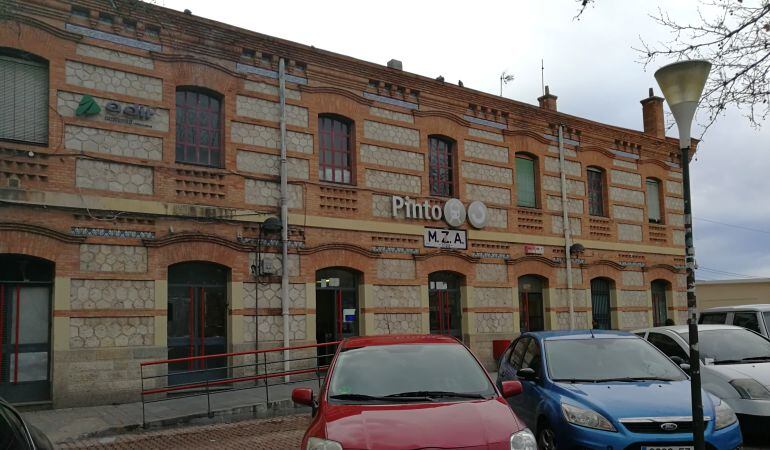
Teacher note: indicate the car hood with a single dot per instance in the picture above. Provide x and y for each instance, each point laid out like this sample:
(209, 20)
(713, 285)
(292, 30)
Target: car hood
(756, 371)
(482, 424)
(640, 399)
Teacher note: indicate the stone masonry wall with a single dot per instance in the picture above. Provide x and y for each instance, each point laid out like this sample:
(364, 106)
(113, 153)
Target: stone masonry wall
(492, 272)
(112, 142)
(115, 177)
(574, 187)
(570, 167)
(574, 206)
(626, 196)
(484, 172)
(268, 193)
(392, 115)
(491, 296)
(257, 108)
(397, 323)
(497, 218)
(628, 232)
(267, 164)
(626, 178)
(488, 194)
(627, 213)
(270, 295)
(396, 269)
(114, 56)
(269, 89)
(393, 181)
(575, 225)
(391, 133)
(270, 328)
(494, 322)
(112, 258)
(392, 158)
(103, 332)
(396, 296)
(489, 152)
(111, 80)
(485, 134)
(112, 294)
(258, 135)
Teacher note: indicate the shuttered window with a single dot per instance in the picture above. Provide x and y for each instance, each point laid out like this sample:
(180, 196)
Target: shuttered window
(23, 99)
(525, 182)
(653, 201)
(595, 192)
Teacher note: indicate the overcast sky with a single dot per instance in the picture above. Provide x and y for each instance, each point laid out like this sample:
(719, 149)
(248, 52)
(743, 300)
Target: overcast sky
(589, 64)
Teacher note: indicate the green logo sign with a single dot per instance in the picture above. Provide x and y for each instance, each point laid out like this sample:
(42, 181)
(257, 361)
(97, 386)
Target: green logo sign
(87, 107)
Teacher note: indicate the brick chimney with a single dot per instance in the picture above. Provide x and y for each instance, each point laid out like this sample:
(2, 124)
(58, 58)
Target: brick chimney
(547, 101)
(652, 114)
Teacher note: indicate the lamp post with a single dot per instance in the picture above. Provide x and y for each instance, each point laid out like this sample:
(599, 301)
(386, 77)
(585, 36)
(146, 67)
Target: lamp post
(682, 85)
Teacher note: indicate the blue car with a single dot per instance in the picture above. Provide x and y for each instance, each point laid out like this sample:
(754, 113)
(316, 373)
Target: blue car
(608, 390)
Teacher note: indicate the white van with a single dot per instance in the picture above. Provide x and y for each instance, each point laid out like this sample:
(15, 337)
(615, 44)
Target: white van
(753, 317)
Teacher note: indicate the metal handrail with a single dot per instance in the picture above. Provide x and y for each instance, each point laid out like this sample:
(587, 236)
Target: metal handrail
(195, 387)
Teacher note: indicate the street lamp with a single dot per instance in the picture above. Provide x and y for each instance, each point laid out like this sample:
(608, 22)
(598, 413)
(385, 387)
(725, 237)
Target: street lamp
(682, 85)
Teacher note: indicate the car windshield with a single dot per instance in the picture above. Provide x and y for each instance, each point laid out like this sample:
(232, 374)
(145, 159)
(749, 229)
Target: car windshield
(608, 359)
(767, 321)
(408, 370)
(731, 345)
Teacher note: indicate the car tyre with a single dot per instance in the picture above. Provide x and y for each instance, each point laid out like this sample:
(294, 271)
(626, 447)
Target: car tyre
(546, 437)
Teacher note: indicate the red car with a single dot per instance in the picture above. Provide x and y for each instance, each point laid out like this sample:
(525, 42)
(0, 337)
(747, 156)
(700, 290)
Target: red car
(411, 392)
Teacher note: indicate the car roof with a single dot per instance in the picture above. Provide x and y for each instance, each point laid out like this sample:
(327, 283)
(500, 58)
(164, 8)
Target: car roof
(685, 328)
(394, 339)
(579, 334)
(754, 307)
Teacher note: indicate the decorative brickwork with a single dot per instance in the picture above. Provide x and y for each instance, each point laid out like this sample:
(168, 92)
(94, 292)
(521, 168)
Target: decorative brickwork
(398, 324)
(112, 142)
(392, 158)
(112, 258)
(391, 133)
(391, 181)
(626, 196)
(627, 213)
(67, 104)
(268, 193)
(115, 177)
(488, 194)
(396, 269)
(257, 108)
(489, 152)
(626, 178)
(392, 115)
(628, 232)
(269, 89)
(572, 168)
(105, 332)
(112, 294)
(396, 296)
(492, 272)
(111, 80)
(486, 135)
(267, 164)
(115, 56)
(249, 134)
(484, 172)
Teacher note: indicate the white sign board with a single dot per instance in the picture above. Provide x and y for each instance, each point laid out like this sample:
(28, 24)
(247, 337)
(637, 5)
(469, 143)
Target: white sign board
(442, 238)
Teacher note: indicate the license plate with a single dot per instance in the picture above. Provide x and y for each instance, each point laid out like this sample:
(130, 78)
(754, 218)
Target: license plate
(669, 447)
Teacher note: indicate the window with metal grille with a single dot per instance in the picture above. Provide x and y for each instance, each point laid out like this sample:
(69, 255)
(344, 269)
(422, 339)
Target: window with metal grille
(659, 307)
(334, 160)
(653, 201)
(596, 192)
(23, 97)
(525, 182)
(441, 166)
(198, 127)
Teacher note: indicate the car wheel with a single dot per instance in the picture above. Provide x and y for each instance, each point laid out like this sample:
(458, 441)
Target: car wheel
(546, 438)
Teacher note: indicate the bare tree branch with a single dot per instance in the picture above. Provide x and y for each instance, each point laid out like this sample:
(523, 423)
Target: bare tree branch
(583, 5)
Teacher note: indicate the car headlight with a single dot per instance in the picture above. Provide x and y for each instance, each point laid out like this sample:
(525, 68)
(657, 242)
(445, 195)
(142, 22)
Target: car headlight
(750, 389)
(725, 415)
(315, 443)
(523, 440)
(586, 418)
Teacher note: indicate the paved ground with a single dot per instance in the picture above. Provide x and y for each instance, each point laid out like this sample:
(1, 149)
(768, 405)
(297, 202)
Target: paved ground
(283, 433)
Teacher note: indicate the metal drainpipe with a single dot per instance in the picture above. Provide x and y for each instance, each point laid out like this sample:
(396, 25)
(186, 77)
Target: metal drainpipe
(284, 218)
(567, 231)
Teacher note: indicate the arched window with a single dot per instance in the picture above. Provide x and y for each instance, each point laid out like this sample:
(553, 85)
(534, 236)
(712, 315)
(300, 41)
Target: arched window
(596, 188)
(335, 159)
(653, 201)
(444, 304)
(198, 127)
(531, 305)
(23, 97)
(441, 166)
(526, 181)
(659, 305)
(600, 303)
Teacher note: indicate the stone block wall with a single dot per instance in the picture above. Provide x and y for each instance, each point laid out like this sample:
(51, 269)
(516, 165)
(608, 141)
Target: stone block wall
(267, 164)
(391, 133)
(494, 322)
(489, 152)
(626, 178)
(572, 168)
(268, 193)
(269, 295)
(87, 139)
(398, 323)
(627, 213)
(111, 294)
(396, 269)
(379, 179)
(111, 80)
(269, 89)
(383, 156)
(626, 196)
(485, 172)
(112, 258)
(485, 134)
(488, 194)
(270, 328)
(574, 187)
(114, 56)
(396, 296)
(575, 225)
(493, 296)
(574, 206)
(106, 332)
(492, 272)
(261, 136)
(392, 115)
(257, 108)
(497, 218)
(115, 177)
(627, 232)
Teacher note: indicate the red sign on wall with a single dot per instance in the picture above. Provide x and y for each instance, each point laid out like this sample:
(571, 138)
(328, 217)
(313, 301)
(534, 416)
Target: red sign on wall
(534, 250)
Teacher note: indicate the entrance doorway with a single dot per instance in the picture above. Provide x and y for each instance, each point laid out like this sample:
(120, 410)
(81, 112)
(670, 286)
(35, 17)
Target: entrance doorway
(337, 317)
(659, 310)
(445, 308)
(531, 310)
(600, 304)
(25, 328)
(197, 326)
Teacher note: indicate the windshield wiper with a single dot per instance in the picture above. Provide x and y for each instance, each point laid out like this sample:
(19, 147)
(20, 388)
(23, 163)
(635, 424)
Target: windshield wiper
(574, 380)
(634, 379)
(435, 394)
(756, 358)
(375, 398)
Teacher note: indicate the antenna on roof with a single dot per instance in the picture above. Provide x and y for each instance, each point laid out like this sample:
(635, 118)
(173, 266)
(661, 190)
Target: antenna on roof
(542, 75)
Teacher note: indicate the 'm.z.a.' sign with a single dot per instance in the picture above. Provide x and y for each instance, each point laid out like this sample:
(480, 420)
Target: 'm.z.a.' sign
(443, 238)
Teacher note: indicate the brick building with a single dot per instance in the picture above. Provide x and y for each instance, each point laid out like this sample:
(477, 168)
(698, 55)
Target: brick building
(139, 156)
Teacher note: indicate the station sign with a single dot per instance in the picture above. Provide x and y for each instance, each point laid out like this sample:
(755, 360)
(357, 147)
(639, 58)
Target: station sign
(453, 211)
(445, 238)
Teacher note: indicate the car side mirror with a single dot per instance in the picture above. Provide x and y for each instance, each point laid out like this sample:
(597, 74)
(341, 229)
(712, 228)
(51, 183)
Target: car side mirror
(527, 373)
(303, 396)
(511, 388)
(685, 367)
(677, 360)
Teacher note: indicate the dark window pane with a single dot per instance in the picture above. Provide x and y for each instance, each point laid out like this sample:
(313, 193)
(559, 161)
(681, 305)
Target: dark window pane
(198, 126)
(595, 192)
(440, 167)
(334, 144)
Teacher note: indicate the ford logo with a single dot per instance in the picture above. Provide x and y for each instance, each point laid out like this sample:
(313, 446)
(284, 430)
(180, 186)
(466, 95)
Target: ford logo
(669, 426)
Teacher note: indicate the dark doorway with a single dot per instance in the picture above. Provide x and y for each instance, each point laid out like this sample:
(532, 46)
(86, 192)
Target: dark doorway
(659, 308)
(445, 306)
(600, 303)
(25, 328)
(197, 325)
(531, 310)
(337, 314)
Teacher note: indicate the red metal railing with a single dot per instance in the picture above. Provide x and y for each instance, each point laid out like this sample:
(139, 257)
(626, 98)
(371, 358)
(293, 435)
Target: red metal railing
(211, 376)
